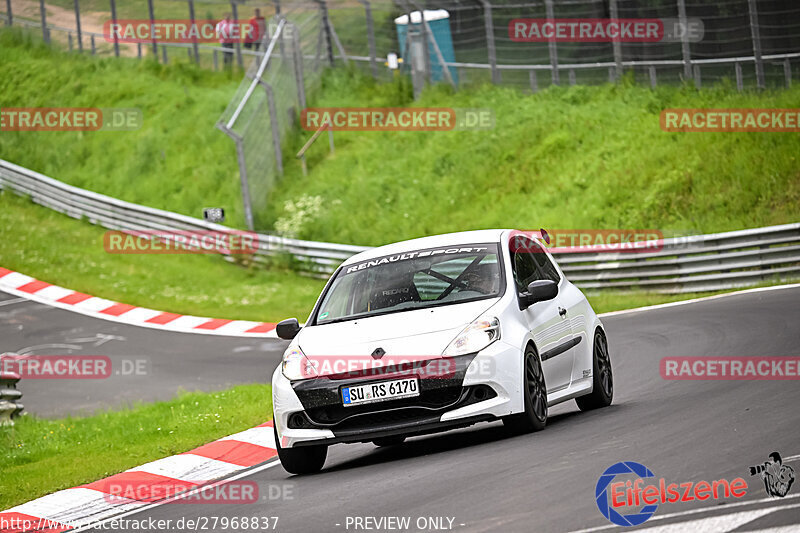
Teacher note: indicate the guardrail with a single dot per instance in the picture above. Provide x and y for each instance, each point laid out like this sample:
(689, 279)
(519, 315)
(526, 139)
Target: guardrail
(684, 264)
(10, 407)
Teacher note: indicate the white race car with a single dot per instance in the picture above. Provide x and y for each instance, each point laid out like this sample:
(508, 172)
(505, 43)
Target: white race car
(433, 334)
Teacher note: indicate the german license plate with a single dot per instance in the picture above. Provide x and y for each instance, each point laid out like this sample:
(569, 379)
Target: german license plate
(381, 391)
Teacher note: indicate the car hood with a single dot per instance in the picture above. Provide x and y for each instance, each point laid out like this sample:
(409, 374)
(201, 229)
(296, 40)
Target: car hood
(419, 332)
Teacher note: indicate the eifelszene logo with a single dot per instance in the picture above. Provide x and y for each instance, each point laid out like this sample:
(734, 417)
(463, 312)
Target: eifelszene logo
(615, 497)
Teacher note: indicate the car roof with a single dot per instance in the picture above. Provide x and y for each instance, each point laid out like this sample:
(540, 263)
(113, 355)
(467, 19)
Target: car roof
(434, 241)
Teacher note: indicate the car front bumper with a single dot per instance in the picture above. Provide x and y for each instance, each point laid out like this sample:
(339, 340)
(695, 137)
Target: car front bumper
(480, 387)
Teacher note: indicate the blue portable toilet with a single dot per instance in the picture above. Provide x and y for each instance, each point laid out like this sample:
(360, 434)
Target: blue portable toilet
(439, 22)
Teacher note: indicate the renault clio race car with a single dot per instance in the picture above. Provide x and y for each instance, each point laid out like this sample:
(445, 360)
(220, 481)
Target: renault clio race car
(433, 334)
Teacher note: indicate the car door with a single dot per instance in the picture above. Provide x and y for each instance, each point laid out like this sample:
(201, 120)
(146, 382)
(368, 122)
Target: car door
(547, 321)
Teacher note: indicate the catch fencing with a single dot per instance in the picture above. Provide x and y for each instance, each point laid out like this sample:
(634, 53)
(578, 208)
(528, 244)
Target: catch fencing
(682, 264)
(750, 42)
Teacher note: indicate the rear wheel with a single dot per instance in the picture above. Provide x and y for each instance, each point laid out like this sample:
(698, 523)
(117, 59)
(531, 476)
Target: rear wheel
(302, 460)
(534, 418)
(389, 441)
(602, 379)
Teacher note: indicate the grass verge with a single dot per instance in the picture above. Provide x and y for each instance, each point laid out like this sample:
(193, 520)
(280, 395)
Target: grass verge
(58, 249)
(41, 456)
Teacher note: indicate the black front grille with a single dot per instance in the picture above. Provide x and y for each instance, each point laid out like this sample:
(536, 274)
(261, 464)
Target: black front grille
(436, 398)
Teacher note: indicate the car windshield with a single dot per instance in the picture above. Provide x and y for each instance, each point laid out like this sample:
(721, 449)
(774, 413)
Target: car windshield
(412, 280)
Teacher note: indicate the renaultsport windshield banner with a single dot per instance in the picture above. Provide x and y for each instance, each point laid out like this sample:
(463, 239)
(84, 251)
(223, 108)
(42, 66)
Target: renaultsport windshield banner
(485, 248)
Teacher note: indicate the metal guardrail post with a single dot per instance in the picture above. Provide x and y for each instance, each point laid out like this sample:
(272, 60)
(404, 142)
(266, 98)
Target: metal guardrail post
(78, 25)
(616, 45)
(653, 81)
(9, 13)
(114, 21)
(94, 46)
(551, 45)
(43, 15)
(164, 53)
(534, 83)
(152, 28)
(69, 41)
(373, 63)
(488, 23)
(194, 39)
(739, 77)
(10, 407)
(787, 73)
(685, 51)
(756, 34)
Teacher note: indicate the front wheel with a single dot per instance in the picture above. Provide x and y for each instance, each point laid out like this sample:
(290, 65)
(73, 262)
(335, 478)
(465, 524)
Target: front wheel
(602, 379)
(534, 418)
(302, 460)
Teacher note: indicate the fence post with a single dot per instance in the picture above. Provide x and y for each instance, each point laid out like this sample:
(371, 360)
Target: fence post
(238, 43)
(69, 40)
(114, 21)
(94, 48)
(739, 80)
(488, 22)
(572, 76)
(534, 83)
(697, 80)
(78, 26)
(248, 207)
(194, 39)
(326, 26)
(756, 33)
(653, 82)
(616, 46)
(373, 64)
(152, 28)
(216, 61)
(687, 54)
(551, 45)
(10, 19)
(273, 119)
(164, 53)
(298, 66)
(277, 7)
(43, 14)
(787, 72)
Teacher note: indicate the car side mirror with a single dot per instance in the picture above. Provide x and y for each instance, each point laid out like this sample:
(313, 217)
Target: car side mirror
(288, 329)
(538, 291)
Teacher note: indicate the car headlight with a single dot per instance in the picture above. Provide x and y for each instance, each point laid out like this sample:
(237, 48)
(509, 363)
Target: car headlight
(296, 365)
(475, 337)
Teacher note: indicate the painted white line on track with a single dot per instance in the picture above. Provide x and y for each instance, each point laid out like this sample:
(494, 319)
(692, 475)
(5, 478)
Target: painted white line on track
(696, 511)
(12, 301)
(717, 524)
(178, 497)
(703, 299)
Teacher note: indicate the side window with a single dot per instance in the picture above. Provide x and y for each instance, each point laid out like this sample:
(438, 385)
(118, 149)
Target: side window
(530, 263)
(546, 266)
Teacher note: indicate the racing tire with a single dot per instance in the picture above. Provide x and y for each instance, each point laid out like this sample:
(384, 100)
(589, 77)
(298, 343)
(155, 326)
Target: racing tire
(534, 418)
(301, 460)
(388, 441)
(602, 377)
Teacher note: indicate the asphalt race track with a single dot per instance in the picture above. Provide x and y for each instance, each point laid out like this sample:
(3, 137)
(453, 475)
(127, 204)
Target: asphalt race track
(484, 480)
(147, 364)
